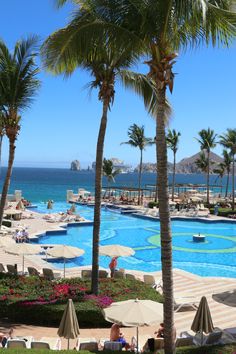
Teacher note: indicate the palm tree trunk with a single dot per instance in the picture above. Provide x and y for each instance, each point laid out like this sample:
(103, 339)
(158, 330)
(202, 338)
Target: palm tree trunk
(97, 206)
(139, 177)
(166, 238)
(227, 185)
(156, 191)
(6, 184)
(173, 178)
(233, 188)
(208, 177)
(1, 138)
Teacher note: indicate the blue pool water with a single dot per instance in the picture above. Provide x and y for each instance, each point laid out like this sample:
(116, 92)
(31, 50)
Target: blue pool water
(215, 257)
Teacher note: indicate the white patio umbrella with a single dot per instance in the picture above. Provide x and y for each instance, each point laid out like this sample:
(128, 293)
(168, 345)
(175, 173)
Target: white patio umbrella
(116, 251)
(73, 208)
(20, 205)
(23, 249)
(65, 252)
(134, 313)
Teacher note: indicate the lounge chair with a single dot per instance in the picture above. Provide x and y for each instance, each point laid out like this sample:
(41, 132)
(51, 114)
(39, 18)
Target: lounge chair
(102, 274)
(119, 274)
(201, 339)
(2, 268)
(150, 280)
(50, 275)
(53, 342)
(16, 343)
(40, 345)
(182, 301)
(110, 345)
(11, 269)
(129, 276)
(86, 273)
(184, 342)
(33, 271)
(90, 346)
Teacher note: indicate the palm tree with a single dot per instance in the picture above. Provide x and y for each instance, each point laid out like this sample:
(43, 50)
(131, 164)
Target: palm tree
(207, 142)
(159, 28)
(73, 47)
(18, 85)
(227, 165)
(228, 140)
(108, 170)
(202, 162)
(172, 140)
(2, 133)
(138, 140)
(220, 172)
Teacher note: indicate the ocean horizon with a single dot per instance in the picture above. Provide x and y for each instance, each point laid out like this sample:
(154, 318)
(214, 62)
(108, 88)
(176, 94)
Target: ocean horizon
(38, 184)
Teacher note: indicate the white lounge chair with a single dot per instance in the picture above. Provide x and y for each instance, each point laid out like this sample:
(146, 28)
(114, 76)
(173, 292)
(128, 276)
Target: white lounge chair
(53, 342)
(110, 345)
(150, 280)
(185, 300)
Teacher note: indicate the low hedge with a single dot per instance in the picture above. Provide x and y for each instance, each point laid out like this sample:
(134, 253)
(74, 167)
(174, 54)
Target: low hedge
(33, 300)
(153, 204)
(224, 211)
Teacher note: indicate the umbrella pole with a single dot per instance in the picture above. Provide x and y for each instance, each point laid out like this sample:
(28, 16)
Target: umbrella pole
(64, 267)
(23, 265)
(137, 341)
(68, 344)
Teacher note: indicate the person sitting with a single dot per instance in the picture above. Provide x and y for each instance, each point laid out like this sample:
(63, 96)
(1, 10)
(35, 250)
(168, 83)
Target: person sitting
(117, 336)
(160, 332)
(25, 235)
(4, 337)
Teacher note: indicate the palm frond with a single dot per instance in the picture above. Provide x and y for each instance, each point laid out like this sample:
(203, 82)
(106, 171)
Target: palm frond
(144, 87)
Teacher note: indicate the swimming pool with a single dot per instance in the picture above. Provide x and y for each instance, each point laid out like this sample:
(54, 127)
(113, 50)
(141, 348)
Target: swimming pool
(215, 257)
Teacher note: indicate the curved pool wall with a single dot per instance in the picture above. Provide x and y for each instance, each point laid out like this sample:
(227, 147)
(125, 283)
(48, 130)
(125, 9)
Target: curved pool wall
(215, 257)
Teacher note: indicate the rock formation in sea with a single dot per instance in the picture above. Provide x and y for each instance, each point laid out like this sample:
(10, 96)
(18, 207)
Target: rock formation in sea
(75, 165)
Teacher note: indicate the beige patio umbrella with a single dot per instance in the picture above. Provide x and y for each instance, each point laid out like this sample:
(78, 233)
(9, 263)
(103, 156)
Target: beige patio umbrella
(227, 298)
(23, 249)
(49, 205)
(65, 252)
(134, 313)
(202, 321)
(73, 208)
(69, 327)
(20, 205)
(116, 251)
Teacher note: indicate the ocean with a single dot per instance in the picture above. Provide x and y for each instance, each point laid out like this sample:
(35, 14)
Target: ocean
(40, 184)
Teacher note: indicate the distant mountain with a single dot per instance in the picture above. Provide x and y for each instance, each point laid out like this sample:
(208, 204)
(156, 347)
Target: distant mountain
(152, 167)
(187, 165)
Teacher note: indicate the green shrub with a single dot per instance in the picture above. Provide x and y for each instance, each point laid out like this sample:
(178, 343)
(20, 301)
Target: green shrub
(6, 223)
(224, 212)
(153, 204)
(42, 302)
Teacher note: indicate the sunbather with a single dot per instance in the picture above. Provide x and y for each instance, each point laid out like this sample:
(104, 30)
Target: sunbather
(117, 336)
(4, 337)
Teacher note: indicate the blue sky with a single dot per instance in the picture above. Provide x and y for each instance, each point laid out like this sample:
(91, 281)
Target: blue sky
(63, 122)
